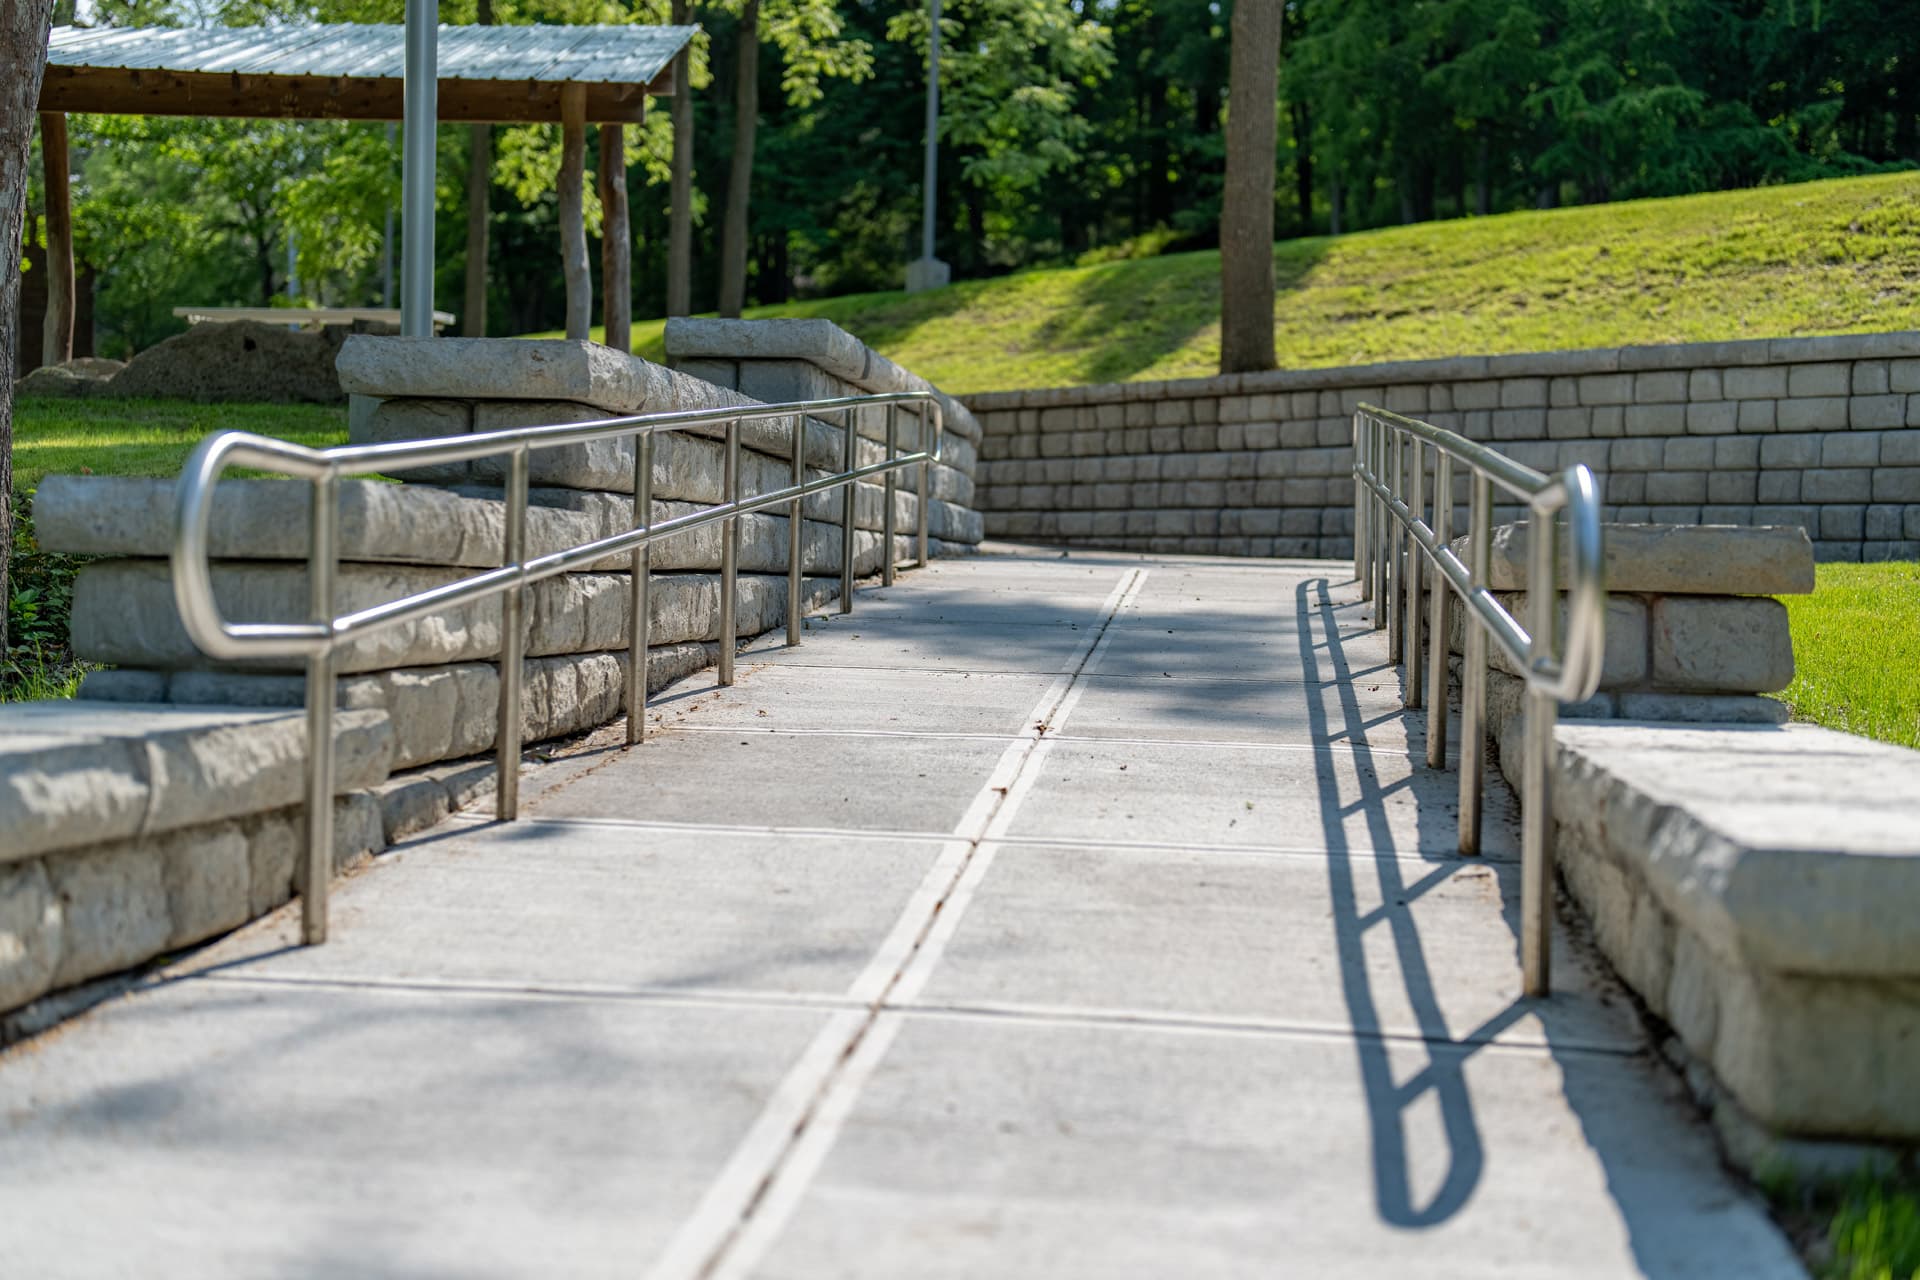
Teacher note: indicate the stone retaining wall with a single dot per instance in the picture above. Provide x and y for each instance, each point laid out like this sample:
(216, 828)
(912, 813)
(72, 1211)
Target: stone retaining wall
(1815, 432)
(163, 807)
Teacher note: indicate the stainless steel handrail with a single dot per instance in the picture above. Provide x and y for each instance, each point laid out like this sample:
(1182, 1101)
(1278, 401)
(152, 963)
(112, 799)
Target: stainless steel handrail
(1394, 540)
(318, 639)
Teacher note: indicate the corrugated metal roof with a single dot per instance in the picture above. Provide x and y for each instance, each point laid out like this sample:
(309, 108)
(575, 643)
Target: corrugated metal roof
(548, 54)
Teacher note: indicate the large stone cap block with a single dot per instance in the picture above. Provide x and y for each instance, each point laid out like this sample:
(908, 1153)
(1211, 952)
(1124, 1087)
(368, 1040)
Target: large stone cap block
(818, 342)
(1794, 849)
(505, 369)
(74, 774)
(1675, 559)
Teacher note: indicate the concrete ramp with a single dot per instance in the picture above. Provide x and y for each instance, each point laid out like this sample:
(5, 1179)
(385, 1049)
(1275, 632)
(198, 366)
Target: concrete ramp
(1053, 915)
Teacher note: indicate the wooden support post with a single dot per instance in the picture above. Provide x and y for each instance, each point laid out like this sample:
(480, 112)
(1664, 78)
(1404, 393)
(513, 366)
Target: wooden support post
(573, 225)
(616, 241)
(57, 336)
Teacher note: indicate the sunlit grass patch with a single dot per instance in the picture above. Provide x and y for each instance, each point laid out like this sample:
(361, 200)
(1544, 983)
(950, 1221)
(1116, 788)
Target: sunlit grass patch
(1856, 652)
(1824, 257)
(101, 436)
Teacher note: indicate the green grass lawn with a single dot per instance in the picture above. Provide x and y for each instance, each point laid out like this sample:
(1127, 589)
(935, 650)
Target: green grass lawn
(111, 438)
(148, 437)
(1826, 257)
(1856, 651)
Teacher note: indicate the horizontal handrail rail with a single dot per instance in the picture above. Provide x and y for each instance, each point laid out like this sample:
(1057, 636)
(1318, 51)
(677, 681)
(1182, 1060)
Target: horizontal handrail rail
(1394, 542)
(319, 639)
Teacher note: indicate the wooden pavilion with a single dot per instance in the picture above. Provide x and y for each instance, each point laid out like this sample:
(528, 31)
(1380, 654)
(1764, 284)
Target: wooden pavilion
(573, 76)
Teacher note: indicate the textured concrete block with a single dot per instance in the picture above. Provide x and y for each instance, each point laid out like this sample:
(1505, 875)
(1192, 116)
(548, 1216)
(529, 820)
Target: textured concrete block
(1681, 559)
(1523, 393)
(1876, 412)
(31, 920)
(1896, 484)
(1659, 388)
(1749, 882)
(1713, 417)
(1870, 378)
(1819, 380)
(1606, 389)
(1850, 449)
(1719, 645)
(1764, 383)
(1701, 708)
(1828, 413)
(1676, 487)
(1656, 419)
(1850, 484)
(114, 910)
(75, 774)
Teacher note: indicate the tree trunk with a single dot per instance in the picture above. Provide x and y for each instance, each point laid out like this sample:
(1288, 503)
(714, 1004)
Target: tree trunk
(23, 46)
(56, 339)
(1246, 211)
(573, 226)
(473, 321)
(746, 115)
(680, 199)
(616, 241)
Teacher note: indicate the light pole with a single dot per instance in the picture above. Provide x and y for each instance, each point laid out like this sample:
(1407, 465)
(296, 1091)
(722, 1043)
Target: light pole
(420, 108)
(928, 272)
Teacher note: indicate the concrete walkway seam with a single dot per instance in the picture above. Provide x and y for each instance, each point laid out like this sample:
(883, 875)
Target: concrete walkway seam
(797, 1127)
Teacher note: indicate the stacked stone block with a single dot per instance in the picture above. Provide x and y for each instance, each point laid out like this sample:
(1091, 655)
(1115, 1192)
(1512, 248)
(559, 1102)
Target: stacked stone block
(437, 677)
(129, 826)
(1693, 631)
(1823, 433)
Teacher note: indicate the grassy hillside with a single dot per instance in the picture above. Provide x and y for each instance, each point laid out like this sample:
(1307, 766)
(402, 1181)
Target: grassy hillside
(1826, 257)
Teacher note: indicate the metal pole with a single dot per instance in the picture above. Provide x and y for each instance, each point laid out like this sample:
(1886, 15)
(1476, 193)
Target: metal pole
(1396, 567)
(1439, 639)
(929, 171)
(421, 107)
(1536, 782)
(796, 533)
(926, 420)
(1376, 522)
(506, 800)
(641, 570)
(320, 696)
(1473, 669)
(729, 552)
(847, 515)
(1359, 508)
(892, 490)
(1416, 564)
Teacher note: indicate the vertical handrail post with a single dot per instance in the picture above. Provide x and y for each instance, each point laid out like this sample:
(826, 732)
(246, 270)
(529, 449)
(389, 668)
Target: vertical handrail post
(929, 446)
(1439, 637)
(641, 568)
(1377, 520)
(322, 555)
(1473, 668)
(729, 552)
(796, 532)
(1536, 782)
(1416, 571)
(847, 512)
(1359, 507)
(891, 493)
(1396, 566)
(513, 642)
